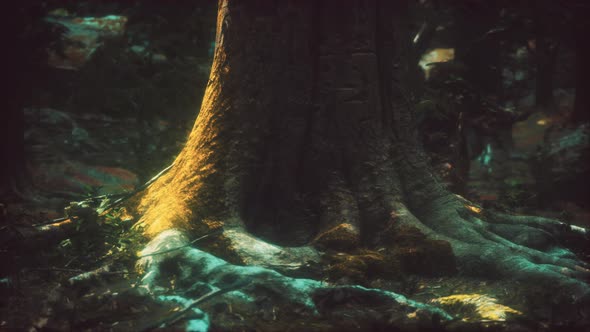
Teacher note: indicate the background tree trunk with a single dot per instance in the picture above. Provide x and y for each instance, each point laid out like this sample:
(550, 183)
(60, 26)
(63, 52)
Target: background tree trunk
(582, 102)
(12, 124)
(12, 148)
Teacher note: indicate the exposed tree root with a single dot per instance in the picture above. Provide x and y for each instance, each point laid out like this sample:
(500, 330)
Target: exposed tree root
(197, 272)
(485, 244)
(498, 249)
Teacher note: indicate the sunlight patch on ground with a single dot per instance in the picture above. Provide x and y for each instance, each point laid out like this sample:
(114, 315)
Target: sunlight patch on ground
(435, 56)
(484, 307)
(473, 208)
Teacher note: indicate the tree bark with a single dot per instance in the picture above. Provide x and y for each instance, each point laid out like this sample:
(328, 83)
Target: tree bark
(306, 136)
(582, 102)
(546, 50)
(12, 146)
(272, 150)
(12, 126)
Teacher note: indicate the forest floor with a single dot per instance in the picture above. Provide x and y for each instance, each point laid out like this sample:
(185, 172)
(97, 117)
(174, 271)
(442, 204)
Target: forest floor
(44, 289)
(86, 153)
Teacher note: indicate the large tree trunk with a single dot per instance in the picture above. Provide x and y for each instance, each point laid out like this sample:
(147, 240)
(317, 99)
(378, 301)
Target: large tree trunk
(305, 137)
(12, 146)
(582, 102)
(298, 112)
(12, 124)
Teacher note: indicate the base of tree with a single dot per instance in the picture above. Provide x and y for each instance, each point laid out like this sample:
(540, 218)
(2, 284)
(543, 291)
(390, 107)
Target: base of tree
(182, 287)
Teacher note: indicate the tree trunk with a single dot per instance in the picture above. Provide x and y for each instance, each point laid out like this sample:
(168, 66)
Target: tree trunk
(275, 151)
(12, 124)
(305, 136)
(545, 56)
(582, 102)
(12, 146)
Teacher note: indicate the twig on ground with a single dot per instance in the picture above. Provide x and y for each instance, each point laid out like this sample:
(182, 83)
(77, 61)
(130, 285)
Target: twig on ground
(124, 196)
(50, 222)
(95, 275)
(55, 269)
(183, 246)
(168, 321)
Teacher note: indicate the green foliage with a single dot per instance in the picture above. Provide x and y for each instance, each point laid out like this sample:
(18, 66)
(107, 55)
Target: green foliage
(109, 237)
(122, 241)
(91, 191)
(485, 158)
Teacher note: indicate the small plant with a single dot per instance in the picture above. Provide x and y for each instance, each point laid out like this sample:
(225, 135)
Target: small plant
(98, 238)
(91, 191)
(121, 240)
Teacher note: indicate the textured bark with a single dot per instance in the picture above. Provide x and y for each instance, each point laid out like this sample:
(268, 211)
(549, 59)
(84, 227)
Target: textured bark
(582, 103)
(12, 146)
(305, 136)
(298, 113)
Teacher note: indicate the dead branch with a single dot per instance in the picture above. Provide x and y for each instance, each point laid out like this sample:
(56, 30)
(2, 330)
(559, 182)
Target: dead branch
(171, 320)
